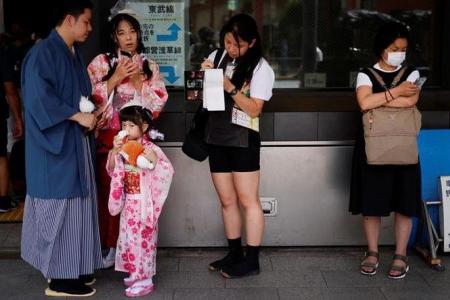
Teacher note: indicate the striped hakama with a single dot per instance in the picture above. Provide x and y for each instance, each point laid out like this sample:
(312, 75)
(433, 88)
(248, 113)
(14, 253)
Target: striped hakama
(60, 237)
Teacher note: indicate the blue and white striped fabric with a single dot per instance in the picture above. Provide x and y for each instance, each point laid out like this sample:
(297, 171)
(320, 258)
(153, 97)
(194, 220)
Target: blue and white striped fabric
(60, 237)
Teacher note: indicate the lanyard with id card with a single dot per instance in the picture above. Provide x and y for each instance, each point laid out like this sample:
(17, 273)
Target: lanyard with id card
(239, 117)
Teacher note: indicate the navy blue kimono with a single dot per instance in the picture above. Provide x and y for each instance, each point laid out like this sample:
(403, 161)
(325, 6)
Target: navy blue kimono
(53, 80)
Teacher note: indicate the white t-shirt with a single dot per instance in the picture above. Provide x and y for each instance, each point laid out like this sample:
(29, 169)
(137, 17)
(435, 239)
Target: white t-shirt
(363, 79)
(262, 81)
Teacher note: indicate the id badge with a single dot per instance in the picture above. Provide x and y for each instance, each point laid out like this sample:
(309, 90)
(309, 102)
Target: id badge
(240, 118)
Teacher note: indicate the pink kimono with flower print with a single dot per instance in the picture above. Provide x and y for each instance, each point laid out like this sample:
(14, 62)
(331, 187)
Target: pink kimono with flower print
(140, 210)
(153, 93)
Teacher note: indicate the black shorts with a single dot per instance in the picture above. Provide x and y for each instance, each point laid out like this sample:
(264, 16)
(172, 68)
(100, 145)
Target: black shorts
(3, 138)
(224, 159)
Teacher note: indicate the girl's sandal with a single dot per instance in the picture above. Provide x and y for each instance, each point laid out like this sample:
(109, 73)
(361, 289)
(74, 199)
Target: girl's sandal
(369, 268)
(402, 269)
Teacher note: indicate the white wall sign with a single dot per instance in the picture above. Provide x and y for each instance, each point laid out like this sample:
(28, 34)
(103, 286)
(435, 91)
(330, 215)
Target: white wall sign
(315, 80)
(162, 25)
(444, 211)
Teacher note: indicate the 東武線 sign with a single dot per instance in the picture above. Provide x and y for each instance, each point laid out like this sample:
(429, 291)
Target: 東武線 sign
(162, 26)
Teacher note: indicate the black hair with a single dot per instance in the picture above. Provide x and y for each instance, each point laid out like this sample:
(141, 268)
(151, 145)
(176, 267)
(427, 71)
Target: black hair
(387, 34)
(71, 7)
(244, 27)
(137, 115)
(113, 27)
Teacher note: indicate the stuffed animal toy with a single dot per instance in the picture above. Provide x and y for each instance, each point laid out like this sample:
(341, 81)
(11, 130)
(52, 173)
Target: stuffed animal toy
(132, 152)
(86, 105)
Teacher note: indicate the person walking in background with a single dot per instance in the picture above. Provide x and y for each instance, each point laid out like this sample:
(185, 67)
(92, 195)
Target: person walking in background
(60, 234)
(117, 77)
(9, 99)
(378, 190)
(234, 150)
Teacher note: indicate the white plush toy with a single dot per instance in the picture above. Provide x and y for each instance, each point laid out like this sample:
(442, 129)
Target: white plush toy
(86, 106)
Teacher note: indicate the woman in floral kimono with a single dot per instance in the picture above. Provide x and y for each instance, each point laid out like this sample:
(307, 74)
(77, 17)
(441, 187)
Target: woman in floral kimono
(117, 78)
(138, 193)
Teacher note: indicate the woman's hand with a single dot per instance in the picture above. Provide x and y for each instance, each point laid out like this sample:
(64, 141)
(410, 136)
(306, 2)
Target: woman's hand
(228, 86)
(405, 89)
(207, 64)
(150, 155)
(125, 68)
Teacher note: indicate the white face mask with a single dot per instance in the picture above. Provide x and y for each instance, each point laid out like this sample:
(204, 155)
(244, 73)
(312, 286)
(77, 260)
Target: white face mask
(395, 59)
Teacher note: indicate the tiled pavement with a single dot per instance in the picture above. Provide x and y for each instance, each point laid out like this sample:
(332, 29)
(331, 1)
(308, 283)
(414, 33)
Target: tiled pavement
(287, 273)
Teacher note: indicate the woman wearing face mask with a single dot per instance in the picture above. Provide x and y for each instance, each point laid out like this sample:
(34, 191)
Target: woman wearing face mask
(378, 190)
(118, 77)
(234, 150)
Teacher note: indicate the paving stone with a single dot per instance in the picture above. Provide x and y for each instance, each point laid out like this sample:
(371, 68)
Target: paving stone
(353, 293)
(279, 279)
(226, 294)
(9, 228)
(305, 293)
(305, 263)
(203, 279)
(435, 278)
(355, 279)
(412, 293)
(169, 264)
(201, 263)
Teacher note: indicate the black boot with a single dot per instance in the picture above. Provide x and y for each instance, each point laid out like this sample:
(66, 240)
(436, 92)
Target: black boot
(68, 288)
(247, 266)
(233, 256)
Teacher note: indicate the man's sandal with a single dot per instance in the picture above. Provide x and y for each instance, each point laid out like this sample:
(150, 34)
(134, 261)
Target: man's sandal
(402, 269)
(369, 268)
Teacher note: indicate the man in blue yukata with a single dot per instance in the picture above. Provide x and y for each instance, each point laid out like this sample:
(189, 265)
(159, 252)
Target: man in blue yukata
(60, 235)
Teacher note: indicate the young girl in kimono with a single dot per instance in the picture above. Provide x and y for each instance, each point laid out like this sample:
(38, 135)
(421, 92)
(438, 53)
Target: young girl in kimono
(138, 194)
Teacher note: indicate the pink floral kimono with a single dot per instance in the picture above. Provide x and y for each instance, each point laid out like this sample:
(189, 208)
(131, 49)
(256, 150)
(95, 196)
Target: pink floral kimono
(153, 95)
(138, 194)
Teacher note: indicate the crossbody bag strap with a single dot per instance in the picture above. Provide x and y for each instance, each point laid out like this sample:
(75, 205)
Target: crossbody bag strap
(398, 77)
(381, 81)
(377, 77)
(220, 54)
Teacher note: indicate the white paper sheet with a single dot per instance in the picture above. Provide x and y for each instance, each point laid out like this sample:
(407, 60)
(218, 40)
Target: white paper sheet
(213, 95)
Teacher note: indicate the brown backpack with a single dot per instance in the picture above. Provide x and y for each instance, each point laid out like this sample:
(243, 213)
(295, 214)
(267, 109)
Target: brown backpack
(390, 133)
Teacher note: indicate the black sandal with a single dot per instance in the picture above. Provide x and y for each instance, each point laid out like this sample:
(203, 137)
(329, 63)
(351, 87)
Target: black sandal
(402, 269)
(365, 264)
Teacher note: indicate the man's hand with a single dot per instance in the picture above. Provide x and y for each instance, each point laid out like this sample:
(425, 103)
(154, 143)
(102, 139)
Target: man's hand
(85, 119)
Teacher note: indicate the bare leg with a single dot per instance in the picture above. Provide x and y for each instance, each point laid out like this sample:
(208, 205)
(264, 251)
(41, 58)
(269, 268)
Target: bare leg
(223, 183)
(247, 187)
(372, 230)
(403, 226)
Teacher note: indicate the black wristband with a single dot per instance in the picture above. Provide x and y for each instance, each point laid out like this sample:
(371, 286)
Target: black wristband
(234, 92)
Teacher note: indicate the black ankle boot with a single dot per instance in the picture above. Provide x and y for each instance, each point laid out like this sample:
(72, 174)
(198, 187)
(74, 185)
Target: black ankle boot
(68, 288)
(249, 265)
(234, 255)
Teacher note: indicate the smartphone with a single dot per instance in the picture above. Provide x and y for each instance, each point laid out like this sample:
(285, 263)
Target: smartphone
(420, 81)
(125, 53)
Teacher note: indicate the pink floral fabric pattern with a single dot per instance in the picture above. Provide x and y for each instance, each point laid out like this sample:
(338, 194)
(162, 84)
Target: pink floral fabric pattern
(153, 93)
(139, 213)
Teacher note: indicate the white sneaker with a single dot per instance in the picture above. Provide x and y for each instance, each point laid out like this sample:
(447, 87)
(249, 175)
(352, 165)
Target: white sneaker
(108, 262)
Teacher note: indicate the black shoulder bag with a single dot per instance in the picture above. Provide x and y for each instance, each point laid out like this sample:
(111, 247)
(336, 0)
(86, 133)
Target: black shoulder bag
(194, 144)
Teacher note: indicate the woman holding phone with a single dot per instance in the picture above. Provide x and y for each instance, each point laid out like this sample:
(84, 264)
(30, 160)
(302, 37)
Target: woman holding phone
(379, 190)
(234, 148)
(117, 77)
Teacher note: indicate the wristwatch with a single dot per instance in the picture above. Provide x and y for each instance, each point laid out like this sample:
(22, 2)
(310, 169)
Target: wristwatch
(234, 92)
